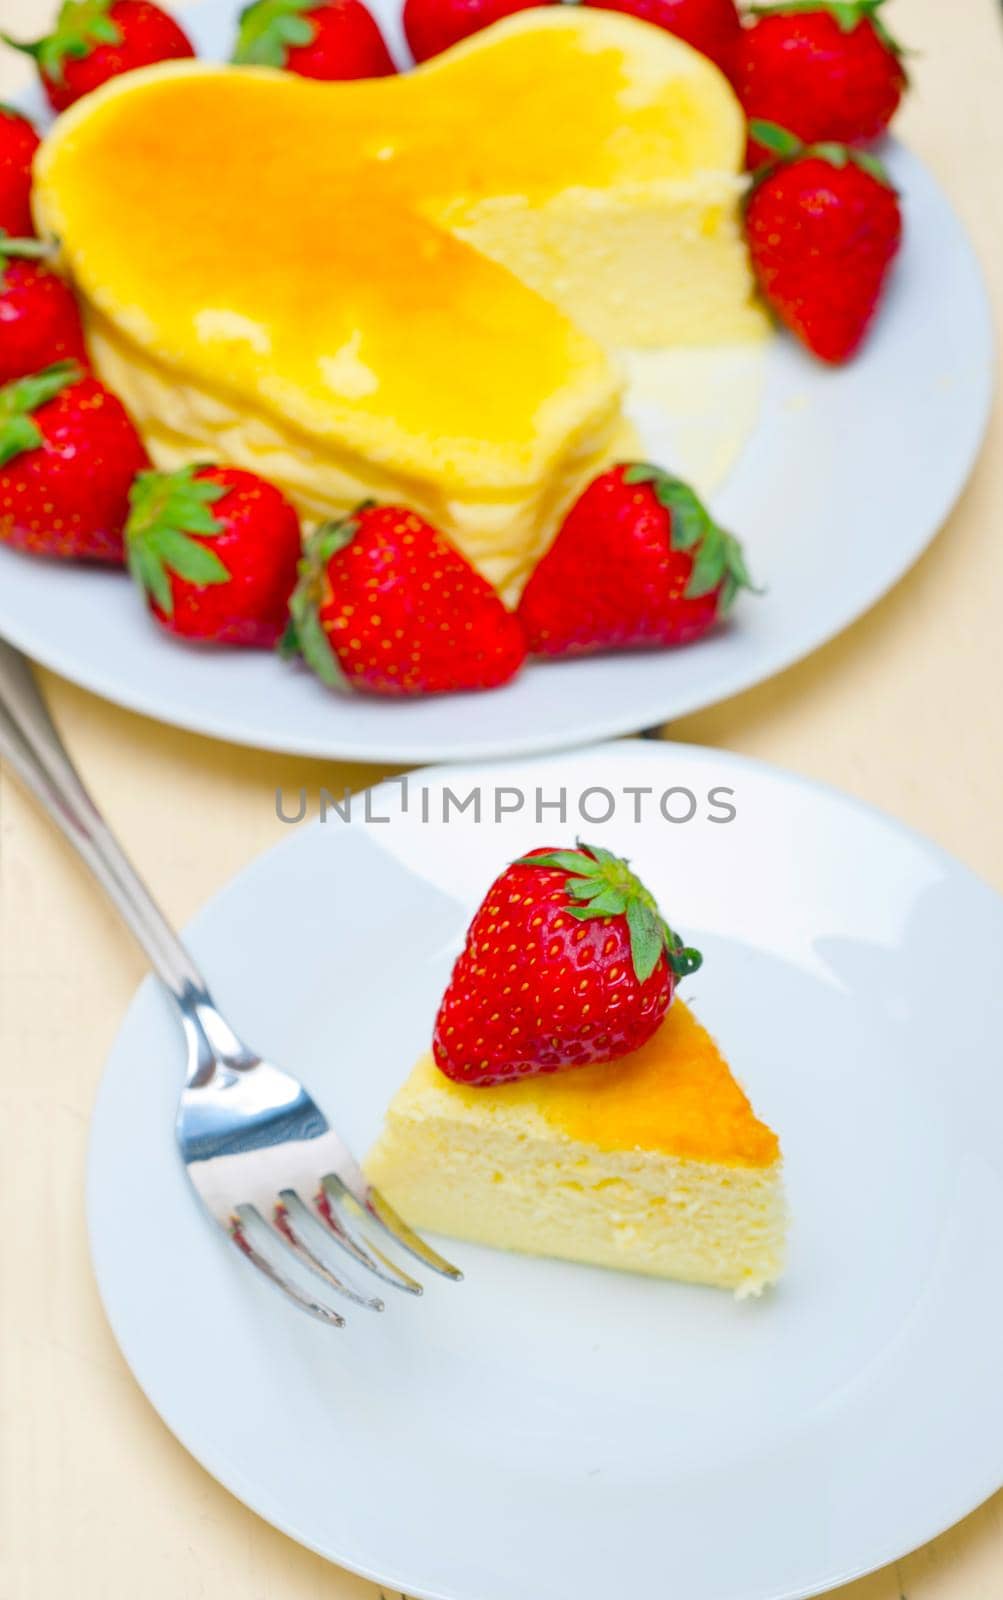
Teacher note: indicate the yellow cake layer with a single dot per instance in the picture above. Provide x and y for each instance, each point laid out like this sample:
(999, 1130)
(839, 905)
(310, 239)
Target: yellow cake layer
(407, 286)
(502, 532)
(654, 1164)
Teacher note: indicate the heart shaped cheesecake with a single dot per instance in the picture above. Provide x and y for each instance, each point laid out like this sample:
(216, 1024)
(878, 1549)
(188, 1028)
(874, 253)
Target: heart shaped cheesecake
(408, 288)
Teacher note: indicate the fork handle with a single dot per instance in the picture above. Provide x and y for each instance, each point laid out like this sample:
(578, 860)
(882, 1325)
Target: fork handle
(30, 743)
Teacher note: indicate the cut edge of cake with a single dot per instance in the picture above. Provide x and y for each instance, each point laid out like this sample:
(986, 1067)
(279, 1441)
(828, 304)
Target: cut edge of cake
(493, 1170)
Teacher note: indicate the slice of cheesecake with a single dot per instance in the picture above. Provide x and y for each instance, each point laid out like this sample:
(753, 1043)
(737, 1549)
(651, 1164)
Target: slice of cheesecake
(655, 1163)
(407, 288)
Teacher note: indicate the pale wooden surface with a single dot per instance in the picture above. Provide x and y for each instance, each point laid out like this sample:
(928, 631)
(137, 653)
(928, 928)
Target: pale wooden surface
(97, 1500)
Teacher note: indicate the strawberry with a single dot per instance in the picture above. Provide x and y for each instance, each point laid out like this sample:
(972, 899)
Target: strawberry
(823, 70)
(823, 228)
(568, 962)
(432, 26)
(18, 143)
(710, 26)
(385, 604)
(333, 39)
(215, 550)
(95, 40)
(39, 320)
(68, 455)
(637, 562)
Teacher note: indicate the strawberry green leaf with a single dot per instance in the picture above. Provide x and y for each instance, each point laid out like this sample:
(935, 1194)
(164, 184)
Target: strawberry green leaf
(718, 562)
(783, 147)
(647, 942)
(585, 888)
(27, 394)
(306, 634)
(610, 902)
(837, 155)
(599, 854)
(787, 147)
(313, 644)
(690, 520)
(81, 26)
(844, 155)
(188, 559)
(21, 399)
(269, 29)
(166, 510)
(152, 577)
(708, 566)
(565, 860)
(336, 535)
(603, 885)
(773, 137)
(868, 163)
(16, 436)
(22, 250)
(289, 645)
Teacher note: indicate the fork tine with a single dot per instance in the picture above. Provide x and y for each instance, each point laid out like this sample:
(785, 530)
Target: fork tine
(314, 1308)
(289, 1207)
(328, 1196)
(383, 1212)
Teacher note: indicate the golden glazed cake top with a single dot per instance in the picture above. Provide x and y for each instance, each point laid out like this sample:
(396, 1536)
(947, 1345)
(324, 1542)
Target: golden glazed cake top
(675, 1095)
(288, 242)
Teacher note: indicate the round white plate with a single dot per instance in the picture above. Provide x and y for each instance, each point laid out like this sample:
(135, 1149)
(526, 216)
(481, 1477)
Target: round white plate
(554, 1431)
(843, 482)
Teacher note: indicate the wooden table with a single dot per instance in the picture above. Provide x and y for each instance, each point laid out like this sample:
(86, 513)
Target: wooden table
(97, 1500)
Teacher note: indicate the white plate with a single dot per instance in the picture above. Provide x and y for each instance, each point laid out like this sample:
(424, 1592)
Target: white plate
(843, 483)
(558, 1432)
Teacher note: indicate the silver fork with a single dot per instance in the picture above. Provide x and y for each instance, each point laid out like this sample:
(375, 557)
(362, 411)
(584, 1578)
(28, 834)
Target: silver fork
(261, 1155)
